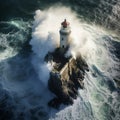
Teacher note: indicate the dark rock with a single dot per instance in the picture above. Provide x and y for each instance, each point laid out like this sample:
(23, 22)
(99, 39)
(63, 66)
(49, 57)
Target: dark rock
(66, 78)
(81, 83)
(72, 94)
(55, 103)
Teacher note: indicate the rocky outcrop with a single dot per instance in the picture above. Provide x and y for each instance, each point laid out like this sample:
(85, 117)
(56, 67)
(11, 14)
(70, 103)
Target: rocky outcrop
(64, 83)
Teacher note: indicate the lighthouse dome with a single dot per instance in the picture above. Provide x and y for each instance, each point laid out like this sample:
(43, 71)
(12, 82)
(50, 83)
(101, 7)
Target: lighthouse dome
(65, 24)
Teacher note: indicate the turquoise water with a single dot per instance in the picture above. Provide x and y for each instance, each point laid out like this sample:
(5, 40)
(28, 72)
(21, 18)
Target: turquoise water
(29, 30)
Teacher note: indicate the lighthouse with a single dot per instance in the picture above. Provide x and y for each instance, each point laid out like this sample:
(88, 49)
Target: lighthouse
(64, 36)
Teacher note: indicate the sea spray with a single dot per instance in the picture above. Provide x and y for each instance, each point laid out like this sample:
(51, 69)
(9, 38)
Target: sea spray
(45, 37)
(17, 76)
(87, 40)
(43, 41)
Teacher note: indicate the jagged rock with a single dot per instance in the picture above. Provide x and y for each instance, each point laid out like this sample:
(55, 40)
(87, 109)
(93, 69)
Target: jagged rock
(55, 102)
(72, 94)
(66, 78)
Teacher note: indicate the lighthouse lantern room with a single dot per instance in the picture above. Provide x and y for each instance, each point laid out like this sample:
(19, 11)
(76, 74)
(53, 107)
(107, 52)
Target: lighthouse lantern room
(64, 35)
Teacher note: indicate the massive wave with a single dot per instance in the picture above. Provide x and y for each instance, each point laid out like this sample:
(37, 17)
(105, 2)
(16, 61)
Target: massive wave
(24, 74)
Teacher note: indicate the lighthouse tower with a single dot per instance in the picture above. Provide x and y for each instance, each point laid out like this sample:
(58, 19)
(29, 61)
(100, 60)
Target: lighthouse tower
(64, 36)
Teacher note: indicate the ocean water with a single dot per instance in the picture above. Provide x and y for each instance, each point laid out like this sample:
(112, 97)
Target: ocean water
(30, 29)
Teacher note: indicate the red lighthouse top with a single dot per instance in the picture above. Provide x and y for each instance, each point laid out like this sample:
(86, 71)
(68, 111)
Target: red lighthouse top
(65, 23)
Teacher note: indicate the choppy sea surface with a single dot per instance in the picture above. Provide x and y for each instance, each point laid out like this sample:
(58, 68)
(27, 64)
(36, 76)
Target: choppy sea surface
(30, 29)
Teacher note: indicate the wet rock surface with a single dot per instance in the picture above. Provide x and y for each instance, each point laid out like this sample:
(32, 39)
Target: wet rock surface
(65, 82)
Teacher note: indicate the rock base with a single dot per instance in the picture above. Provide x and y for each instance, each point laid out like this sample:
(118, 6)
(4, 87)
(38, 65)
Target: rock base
(66, 81)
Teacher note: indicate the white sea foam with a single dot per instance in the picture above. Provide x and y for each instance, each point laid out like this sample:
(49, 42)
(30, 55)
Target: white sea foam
(18, 76)
(45, 37)
(87, 40)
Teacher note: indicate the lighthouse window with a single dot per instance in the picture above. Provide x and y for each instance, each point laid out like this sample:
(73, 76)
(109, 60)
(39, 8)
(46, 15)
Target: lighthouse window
(63, 46)
(62, 39)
